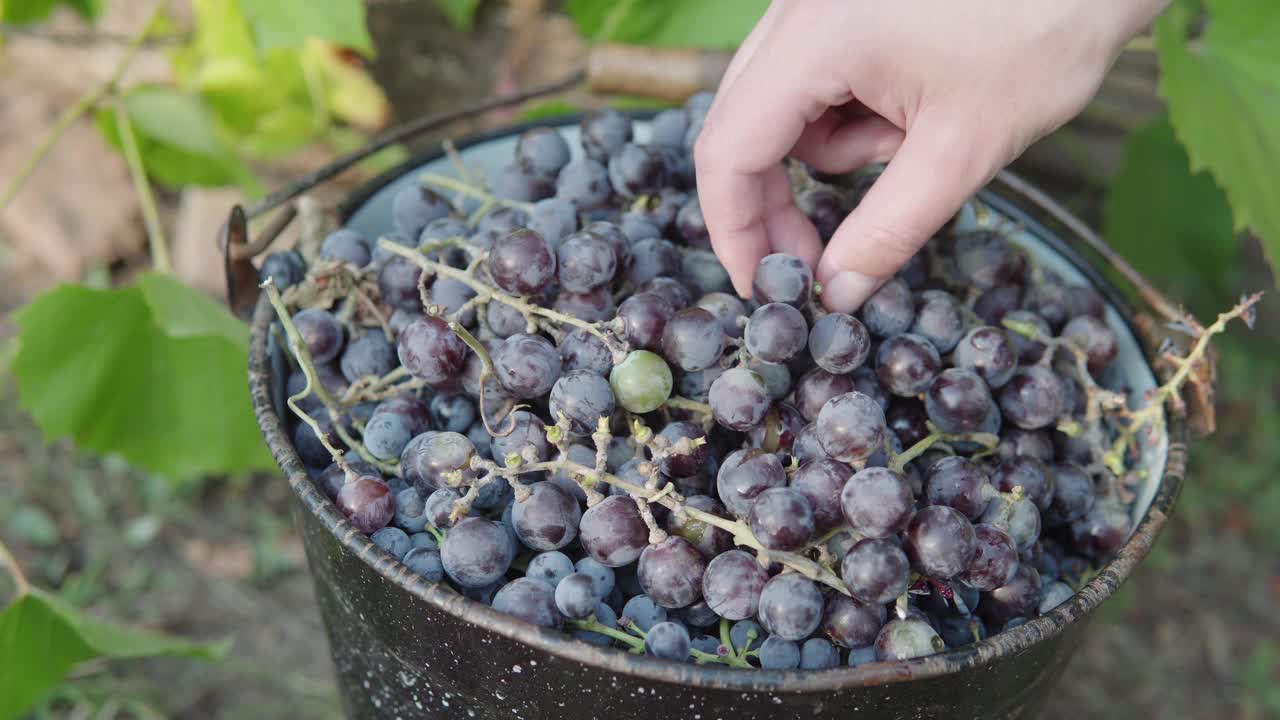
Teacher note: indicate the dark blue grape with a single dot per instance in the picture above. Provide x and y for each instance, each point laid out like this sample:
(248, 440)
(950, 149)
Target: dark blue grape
(849, 623)
(778, 654)
(426, 562)
(907, 639)
(739, 399)
(890, 311)
(542, 151)
(958, 483)
(732, 583)
(839, 343)
(321, 333)
(669, 641)
(394, 540)
(747, 635)
(552, 566)
(1036, 480)
(604, 132)
(644, 612)
(781, 278)
(586, 261)
(477, 552)
(530, 600)
(585, 183)
(554, 219)
(286, 268)
(575, 596)
(413, 207)
(526, 365)
(429, 350)
(790, 607)
(985, 258)
(369, 354)
(877, 502)
(644, 317)
(940, 542)
(776, 332)
(876, 571)
(671, 572)
(906, 364)
(386, 435)
(1033, 397)
(1098, 341)
(367, 503)
(693, 339)
(994, 304)
(818, 654)
(781, 519)
(1019, 597)
(745, 474)
(816, 387)
(548, 518)
(527, 429)
(410, 511)
(612, 531)
(702, 272)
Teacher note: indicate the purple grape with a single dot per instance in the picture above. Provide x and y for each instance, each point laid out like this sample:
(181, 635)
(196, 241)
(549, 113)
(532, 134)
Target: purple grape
(542, 151)
(582, 350)
(778, 430)
(907, 639)
(366, 503)
(554, 219)
(732, 583)
(890, 311)
(526, 365)
(669, 641)
(907, 420)
(636, 170)
(533, 601)
(877, 502)
(1096, 339)
(477, 552)
(746, 635)
(710, 540)
(612, 531)
(1016, 442)
(671, 572)
(586, 262)
(671, 290)
(825, 209)
(1103, 529)
(876, 571)
(1050, 301)
(453, 412)
(994, 304)
(985, 258)
(820, 482)
(286, 268)
(691, 225)
(745, 474)
(644, 317)
(1031, 474)
(906, 364)
(816, 387)
(686, 464)
(429, 457)
(513, 182)
(958, 483)
(702, 273)
(958, 401)
(584, 397)
(1084, 300)
(851, 427)
(439, 506)
(739, 399)
(1033, 397)
(522, 262)
(450, 296)
(849, 623)
(369, 354)
(567, 480)
(940, 542)
(1017, 598)
(866, 382)
(781, 278)
(693, 339)
(839, 343)
(1021, 520)
(776, 332)
(593, 306)
(989, 352)
(604, 132)
(727, 309)
(430, 351)
(994, 561)
(548, 518)
(651, 258)
(585, 183)
(938, 320)
(781, 519)
(413, 207)
(575, 596)
(321, 333)
(1073, 495)
(1027, 350)
(398, 283)
(791, 607)
(527, 430)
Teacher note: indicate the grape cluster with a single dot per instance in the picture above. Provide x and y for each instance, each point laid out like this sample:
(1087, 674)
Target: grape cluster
(556, 406)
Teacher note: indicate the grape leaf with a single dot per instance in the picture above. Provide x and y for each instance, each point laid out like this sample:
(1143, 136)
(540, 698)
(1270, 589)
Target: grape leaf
(177, 140)
(1223, 90)
(667, 23)
(290, 23)
(1171, 223)
(547, 109)
(23, 12)
(154, 372)
(42, 637)
(461, 13)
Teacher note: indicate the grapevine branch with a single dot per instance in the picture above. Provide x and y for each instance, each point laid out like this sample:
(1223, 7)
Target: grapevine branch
(150, 215)
(15, 570)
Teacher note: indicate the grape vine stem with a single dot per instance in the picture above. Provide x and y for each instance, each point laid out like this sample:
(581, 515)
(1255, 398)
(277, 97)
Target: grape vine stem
(898, 461)
(15, 570)
(465, 188)
(150, 215)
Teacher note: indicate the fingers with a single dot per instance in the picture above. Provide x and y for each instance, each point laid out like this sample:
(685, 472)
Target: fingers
(789, 230)
(936, 169)
(835, 144)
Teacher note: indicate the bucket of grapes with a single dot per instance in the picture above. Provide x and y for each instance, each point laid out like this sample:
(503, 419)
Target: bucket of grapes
(549, 465)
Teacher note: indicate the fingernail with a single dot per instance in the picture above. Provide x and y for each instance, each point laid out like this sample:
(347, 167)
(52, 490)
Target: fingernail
(848, 290)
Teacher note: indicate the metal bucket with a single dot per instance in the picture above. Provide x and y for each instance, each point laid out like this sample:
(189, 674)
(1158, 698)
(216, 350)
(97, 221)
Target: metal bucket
(405, 648)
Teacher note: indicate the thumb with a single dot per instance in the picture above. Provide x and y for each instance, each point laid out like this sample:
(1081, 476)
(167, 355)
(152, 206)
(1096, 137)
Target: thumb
(934, 172)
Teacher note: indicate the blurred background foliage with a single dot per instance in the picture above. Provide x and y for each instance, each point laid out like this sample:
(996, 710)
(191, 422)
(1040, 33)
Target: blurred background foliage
(156, 514)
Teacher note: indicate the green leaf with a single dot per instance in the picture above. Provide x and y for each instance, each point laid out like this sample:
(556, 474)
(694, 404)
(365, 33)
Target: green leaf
(42, 637)
(461, 13)
(154, 372)
(88, 9)
(1223, 90)
(547, 109)
(667, 23)
(1169, 222)
(290, 23)
(23, 12)
(177, 140)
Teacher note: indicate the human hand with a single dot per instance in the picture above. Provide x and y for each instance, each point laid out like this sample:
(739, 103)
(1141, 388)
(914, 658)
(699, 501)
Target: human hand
(946, 92)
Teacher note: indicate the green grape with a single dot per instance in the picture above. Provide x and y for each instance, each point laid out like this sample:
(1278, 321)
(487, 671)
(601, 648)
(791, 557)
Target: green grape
(641, 382)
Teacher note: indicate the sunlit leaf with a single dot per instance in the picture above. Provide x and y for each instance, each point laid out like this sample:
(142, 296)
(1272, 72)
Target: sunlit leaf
(461, 13)
(667, 23)
(290, 23)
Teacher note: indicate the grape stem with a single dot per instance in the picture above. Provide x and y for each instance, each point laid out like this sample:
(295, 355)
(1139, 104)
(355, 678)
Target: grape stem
(465, 188)
(635, 643)
(137, 172)
(20, 582)
(485, 373)
(898, 461)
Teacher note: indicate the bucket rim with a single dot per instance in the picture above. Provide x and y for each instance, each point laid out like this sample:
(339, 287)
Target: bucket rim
(1005, 192)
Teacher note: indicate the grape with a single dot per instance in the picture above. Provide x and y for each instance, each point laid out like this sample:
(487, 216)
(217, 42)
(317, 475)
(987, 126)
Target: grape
(687, 464)
(651, 258)
(777, 378)
(696, 386)
(398, 283)
(776, 332)
(413, 207)
(513, 182)
(940, 542)
(548, 518)
(744, 475)
(424, 540)
(907, 420)
(1084, 300)
(958, 483)
(604, 132)
(816, 387)
(692, 226)
(710, 540)
(582, 455)
(907, 639)
(671, 572)
(542, 151)
(526, 365)
(484, 595)
(642, 382)
(439, 508)
(790, 607)
(778, 430)
(478, 552)
(1072, 495)
(586, 262)
(781, 278)
(584, 183)
(526, 429)
(426, 562)
(701, 272)
(876, 571)
(781, 519)
(1049, 300)
(1016, 442)
(1031, 474)
(603, 578)
(866, 382)
(309, 447)
(552, 566)
(851, 427)
(1021, 520)
(321, 333)
(605, 616)
(644, 612)
(426, 461)
(582, 350)
(906, 364)
(850, 623)
(958, 401)
(739, 399)
(615, 237)
(593, 306)
(533, 601)
(393, 540)
(430, 351)
(825, 209)
(727, 309)
(410, 513)
(636, 170)
(693, 339)
(839, 343)
(386, 435)
(994, 562)
(553, 218)
(938, 320)
(638, 226)
(1096, 340)
(450, 296)
(985, 258)
(1016, 598)
(367, 503)
(820, 482)
(669, 289)
(959, 630)
(346, 246)
(286, 268)
(667, 640)
(862, 656)
(989, 352)
(575, 596)
(1033, 397)
(1102, 530)
(731, 584)
(877, 502)
(522, 262)
(890, 311)
(778, 654)
(1053, 595)
(453, 412)
(699, 615)
(996, 303)
(644, 318)
(746, 635)
(1028, 350)
(612, 531)
(584, 397)
(369, 354)
(818, 654)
